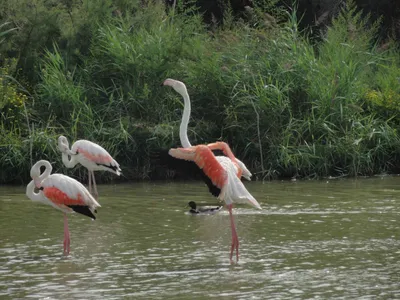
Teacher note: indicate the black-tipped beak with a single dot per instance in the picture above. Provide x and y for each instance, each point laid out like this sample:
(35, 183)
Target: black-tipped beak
(162, 83)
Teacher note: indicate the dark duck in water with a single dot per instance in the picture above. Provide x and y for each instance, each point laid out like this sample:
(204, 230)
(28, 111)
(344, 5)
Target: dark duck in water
(203, 210)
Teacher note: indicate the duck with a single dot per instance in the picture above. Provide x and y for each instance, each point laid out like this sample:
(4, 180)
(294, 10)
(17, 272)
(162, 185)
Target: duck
(203, 210)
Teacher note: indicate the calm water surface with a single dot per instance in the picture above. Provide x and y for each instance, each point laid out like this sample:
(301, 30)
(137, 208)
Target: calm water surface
(336, 239)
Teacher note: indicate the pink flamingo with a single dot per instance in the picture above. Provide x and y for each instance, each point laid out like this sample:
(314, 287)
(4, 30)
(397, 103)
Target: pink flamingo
(61, 192)
(90, 155)
(223, 171)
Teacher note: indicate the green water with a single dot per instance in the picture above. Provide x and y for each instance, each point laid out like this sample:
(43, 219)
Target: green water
(336, 239)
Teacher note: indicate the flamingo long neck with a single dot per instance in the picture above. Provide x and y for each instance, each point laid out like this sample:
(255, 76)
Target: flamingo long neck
(47, 170)
(185, 121)
(63, 146)
(68, 162)
(30, 192)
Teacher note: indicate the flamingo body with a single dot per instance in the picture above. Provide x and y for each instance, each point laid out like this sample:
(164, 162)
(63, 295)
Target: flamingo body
(61, 192)
(90, 155)
(94, 157)
(222, 172)
(69, 195)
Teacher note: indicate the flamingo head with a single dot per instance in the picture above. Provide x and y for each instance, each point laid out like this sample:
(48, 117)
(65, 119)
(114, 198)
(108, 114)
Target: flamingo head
(63, 144)
(178, 86)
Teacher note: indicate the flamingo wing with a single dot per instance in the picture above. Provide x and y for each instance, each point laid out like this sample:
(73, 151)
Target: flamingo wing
(205, 160)
(234, 190)
(182, 166)
(96, 154)
(241, 169)
(221, 170)
(68, 194)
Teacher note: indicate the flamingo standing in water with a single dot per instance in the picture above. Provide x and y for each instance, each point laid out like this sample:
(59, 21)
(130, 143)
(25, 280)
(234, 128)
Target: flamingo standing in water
(224, 172)
(61, 192)
(90, 155)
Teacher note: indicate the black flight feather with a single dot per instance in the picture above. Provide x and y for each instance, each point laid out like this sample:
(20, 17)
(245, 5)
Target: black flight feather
(84, 210)
(115, 168)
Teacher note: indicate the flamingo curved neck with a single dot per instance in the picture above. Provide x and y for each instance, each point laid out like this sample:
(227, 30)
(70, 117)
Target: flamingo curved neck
(47, 170)
(66, 154)
(185, 121)
(68, 162)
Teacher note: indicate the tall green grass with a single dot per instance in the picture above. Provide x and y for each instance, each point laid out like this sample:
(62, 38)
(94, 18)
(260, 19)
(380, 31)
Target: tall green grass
(289, 107)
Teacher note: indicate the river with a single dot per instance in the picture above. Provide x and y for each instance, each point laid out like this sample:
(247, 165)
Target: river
(327, 239)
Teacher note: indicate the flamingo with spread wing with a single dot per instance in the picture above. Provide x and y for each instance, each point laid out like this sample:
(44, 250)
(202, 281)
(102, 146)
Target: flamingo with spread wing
(224, 172)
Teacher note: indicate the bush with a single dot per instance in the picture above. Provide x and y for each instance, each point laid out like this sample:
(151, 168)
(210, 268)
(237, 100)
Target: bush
(289, 106)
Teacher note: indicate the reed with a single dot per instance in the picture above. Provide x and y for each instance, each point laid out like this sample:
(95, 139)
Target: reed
(289, 104)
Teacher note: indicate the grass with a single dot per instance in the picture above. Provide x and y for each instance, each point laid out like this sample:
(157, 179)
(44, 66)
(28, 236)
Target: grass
(289, 106)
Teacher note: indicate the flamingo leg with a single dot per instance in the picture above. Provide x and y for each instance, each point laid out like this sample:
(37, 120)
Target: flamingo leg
(66, 236)
(90, 181)
(96, 194)
(235, 239)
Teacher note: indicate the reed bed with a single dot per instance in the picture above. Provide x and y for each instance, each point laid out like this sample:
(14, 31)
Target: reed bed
(290, 105)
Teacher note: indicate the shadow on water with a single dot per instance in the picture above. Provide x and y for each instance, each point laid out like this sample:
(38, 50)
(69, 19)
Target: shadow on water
(314, 239)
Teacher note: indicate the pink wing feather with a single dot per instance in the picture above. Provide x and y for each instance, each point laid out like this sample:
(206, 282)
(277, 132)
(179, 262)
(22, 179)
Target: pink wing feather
(96, 154)
(63, 191)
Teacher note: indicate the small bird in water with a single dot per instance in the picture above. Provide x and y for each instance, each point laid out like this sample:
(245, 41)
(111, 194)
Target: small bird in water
(203, 210)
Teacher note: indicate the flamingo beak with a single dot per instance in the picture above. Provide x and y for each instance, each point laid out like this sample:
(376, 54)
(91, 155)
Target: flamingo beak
(167, 82)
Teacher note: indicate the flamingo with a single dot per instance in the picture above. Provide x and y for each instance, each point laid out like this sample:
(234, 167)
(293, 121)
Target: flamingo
(224, 172)
(61, 192)
(90, 155)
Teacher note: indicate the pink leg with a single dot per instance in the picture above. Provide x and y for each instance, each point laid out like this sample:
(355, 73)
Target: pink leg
(235, 239)
(66, 236)
(96, 194)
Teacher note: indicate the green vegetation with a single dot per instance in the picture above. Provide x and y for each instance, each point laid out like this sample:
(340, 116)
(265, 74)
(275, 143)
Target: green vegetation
(288, 106)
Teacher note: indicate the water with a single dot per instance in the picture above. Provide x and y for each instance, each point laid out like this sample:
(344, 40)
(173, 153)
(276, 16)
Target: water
(336, 239)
